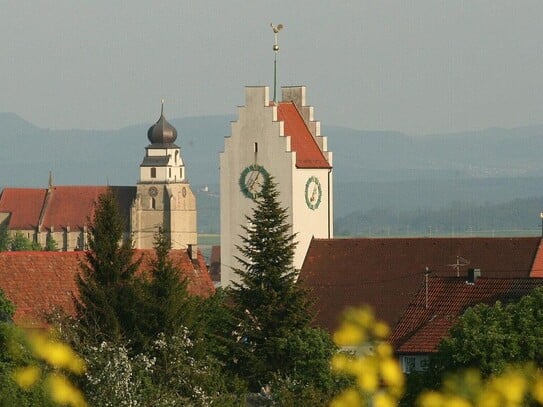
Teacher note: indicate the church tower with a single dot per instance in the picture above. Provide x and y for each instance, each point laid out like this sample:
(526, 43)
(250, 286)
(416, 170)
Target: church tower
(281, 139)
(163, 198)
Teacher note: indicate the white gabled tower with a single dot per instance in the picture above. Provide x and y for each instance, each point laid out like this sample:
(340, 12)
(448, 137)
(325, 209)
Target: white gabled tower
(163, 198)
(282, 139)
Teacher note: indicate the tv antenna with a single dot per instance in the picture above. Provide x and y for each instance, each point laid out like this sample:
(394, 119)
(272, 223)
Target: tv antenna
(460, 262)
(276, 30)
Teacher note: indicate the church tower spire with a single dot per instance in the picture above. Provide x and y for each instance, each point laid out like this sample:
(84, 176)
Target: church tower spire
(164, 198)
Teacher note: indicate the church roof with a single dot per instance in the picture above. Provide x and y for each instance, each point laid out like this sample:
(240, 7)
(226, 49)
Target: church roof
(386, 273)
(308, 153)
(428, 319)
(40, 282)
(24, 204)
(59, 206)
(162, 132)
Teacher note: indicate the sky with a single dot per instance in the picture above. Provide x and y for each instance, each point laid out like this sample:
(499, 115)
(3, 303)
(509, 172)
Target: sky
(421, 67)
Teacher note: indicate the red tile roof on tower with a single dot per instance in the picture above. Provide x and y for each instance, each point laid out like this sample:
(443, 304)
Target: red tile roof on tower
(24, 204)
(308, 153)
(40, 282)
(387, 273)
(421, 328)
(537, 266)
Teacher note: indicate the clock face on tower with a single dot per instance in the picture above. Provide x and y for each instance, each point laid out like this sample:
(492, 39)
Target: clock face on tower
(313, 193)
(153, 191)
(251, 180)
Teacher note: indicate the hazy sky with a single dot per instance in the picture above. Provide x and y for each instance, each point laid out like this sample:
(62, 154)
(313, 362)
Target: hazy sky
(419, 66)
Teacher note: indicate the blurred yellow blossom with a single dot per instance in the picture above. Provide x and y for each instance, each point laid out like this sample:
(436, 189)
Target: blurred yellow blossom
(349, 398)
(57, 354)
(64, 392)
(27, 376)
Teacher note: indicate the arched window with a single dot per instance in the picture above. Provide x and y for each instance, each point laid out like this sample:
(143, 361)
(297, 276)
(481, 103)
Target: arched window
(153, 172)
(153, 203)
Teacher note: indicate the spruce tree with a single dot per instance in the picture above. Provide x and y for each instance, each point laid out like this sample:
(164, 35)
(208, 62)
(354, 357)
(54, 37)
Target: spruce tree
(110, 296)
(168, 304)
(272, 311)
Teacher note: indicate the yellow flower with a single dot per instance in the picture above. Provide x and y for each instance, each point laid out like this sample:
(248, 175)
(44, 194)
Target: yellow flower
(368, 381)
(27, 376)
(340, 362)
(57, 354)
(512, 386)
(384, 350)
(349, 335)
(384, 400)
(430, 399)
(349, 398)
(489, 398)
(537, 390)
(363, 316)
(381, 330)
(63, 392)
(392, 373)
(456, 401)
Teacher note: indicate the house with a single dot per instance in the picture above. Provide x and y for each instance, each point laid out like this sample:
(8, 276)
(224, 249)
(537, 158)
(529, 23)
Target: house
(439, 303)
(387, 273)
(39, 283)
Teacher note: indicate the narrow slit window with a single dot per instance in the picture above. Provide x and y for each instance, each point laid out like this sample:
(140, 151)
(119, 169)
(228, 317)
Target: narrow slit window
(153, 172)
(255, 146)
(153, 203)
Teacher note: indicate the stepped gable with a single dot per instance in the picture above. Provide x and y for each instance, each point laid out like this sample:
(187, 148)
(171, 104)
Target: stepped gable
(40, 282)
(386, 273)
(308, 153)
(421, 328)
(24, 204)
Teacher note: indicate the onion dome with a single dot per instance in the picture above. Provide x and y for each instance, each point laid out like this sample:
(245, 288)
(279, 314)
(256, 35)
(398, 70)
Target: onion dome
(162, 132)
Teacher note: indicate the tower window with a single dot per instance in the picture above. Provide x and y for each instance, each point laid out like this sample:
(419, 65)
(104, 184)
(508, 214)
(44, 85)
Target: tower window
(255, 146)
(169, 172)
(153, 172)
(153, 203)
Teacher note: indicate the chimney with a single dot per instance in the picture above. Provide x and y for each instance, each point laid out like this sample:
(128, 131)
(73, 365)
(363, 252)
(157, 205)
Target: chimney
(192, 251)
(473, 275)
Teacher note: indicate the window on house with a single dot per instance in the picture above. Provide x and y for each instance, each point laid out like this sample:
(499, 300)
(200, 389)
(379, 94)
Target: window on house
(153, 172)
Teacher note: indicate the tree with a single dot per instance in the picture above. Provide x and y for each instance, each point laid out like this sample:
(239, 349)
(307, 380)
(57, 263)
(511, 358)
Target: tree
(490, 337)
(272, 330)
(110, 298)
(50, 244)
(168, 304)
(4, 238)
(20, 243)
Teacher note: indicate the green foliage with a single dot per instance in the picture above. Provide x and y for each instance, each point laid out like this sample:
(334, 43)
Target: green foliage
(272, 334)
(4, 238)
(110, 300)
(19, 242)
(50, 244)
(490, 337)
(167, 303)
(7, 309)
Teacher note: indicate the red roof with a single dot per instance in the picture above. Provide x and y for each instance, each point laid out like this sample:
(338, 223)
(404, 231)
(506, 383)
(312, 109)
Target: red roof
(421, 328)
(59, 206)
(537, 267)
(387, 273)
(308, 152)
(25, 206)
(71, 206)
(39, 282)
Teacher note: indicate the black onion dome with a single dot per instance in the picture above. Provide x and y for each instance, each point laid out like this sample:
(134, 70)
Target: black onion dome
(162, 132)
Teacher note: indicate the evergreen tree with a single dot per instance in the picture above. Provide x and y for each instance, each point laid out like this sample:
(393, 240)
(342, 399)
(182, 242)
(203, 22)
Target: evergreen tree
(5, 241)
(272, 311)
(20, 243)
(50, 244)
(110, 295)
(168, 303)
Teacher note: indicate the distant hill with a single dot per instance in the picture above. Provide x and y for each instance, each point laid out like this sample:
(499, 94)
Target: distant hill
(372, 169)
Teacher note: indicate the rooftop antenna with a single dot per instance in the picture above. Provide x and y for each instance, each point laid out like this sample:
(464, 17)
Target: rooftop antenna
(276, 30)
(50, 179)
(460, 262)
(427, 271)
(162, 107)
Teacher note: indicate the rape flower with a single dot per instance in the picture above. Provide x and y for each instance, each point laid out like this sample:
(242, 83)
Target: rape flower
(26, 376)
(63, 392)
